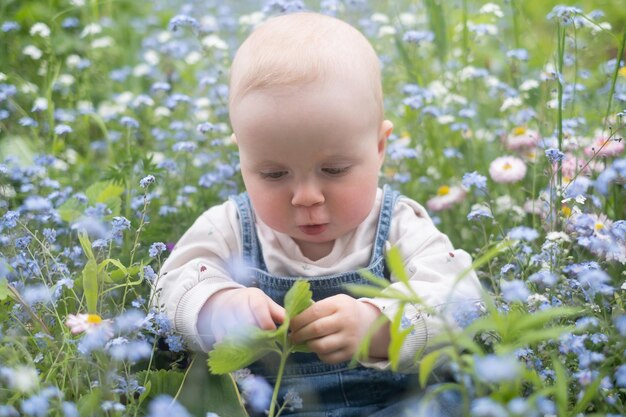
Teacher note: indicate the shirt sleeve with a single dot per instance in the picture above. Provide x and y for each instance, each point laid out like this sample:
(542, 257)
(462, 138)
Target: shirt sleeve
(196, 269)
(438, 273)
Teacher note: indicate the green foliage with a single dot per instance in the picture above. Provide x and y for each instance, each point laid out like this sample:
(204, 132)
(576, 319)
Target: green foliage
(4, 289)
(103, 192)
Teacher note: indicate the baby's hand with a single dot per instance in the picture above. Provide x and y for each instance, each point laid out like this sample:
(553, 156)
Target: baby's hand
(230, 309)
(335, 326)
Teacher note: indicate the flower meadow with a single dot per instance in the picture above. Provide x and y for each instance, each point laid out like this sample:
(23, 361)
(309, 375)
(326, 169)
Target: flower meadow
(114, 136)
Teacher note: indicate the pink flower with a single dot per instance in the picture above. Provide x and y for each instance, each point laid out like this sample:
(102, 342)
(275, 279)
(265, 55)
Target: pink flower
(446, 197)
(521, 138)
(604, 146)
(507, 169)
(572, 164)
(85, 322)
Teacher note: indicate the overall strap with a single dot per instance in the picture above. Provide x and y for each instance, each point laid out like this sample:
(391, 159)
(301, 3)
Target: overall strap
(251, 248)
(384, 221)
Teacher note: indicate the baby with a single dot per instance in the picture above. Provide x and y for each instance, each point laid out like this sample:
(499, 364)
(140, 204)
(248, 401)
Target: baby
(306, 108)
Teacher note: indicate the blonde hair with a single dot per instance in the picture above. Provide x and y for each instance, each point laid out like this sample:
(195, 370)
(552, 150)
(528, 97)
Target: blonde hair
(301, 48)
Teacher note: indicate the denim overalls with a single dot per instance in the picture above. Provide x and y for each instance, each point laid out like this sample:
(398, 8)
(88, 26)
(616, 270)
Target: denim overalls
(326, 390)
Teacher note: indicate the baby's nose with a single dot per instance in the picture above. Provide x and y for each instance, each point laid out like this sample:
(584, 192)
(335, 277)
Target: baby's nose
(307, 194)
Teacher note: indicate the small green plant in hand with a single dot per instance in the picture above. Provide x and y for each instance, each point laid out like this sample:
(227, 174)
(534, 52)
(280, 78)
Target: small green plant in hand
(242, 348)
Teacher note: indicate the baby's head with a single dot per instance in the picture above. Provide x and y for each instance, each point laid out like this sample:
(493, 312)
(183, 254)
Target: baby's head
(307, 115)
(305, 48)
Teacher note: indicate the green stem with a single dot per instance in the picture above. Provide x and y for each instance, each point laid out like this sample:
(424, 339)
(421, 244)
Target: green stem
(620, 54)
(559, 123)
(465, 34)
(281, 369)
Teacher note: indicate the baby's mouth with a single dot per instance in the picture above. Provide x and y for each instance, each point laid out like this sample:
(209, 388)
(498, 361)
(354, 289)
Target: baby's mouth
(313, 229)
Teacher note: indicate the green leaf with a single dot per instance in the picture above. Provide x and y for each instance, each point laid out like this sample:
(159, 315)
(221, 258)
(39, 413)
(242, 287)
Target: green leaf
(398, 335)
(103, 274)
(71, 210)
(17, 147)
(4, 289)
(560, 386)
(396, 265)
(90, 285)
(89, 402)
(539, 319)
(106, 192)
(203, 392)
(118, 274)
(85, 243)
(161, 382)
(242, 348)
(374, 279)
(589, 394)
(539, 335)
(146, 392)
(427, 364)
(298, 298)
(372, 292)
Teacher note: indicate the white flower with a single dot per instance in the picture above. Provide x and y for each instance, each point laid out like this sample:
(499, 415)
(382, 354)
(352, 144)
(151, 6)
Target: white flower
(32, 51)
(80, 323)
(214, 42)
(3, 76)
(23, 379)
(141, 70)
(558, 236)
(380, 18)
(251, 19)
(72, 61)
(91, 29)
(491, 8)
(40, 104)
(193, 57)
(511, 102)
(529, 85)
(103, 42)
(151, 57)
(386, 30)
(66, 80)
(40, 29)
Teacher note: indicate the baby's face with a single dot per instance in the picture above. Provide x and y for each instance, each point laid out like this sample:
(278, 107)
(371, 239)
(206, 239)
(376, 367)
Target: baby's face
(310, 158)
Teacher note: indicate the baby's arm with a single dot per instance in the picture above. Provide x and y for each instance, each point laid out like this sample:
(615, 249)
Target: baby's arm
(196, 270)
(334, 328)
(433, 266)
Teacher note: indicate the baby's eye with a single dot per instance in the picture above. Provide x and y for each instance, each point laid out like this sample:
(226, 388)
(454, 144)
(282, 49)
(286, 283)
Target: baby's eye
(275, 175)
(335, 170)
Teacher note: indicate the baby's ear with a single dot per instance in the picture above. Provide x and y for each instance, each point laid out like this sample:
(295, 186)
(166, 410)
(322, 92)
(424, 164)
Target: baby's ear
(233, 138)
(386, 127)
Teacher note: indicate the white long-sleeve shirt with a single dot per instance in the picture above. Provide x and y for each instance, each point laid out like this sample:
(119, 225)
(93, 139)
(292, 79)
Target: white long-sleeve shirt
(197, 268)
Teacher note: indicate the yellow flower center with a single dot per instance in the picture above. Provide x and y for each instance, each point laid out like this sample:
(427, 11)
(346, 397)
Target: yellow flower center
(566, 211)
(520, 130)
(622, 72)
(507, 166)
(443, 190)
(94, 319)
(599, 226)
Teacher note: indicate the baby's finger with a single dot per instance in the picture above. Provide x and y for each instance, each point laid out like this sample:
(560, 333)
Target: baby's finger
(335, 357)
(317, 329)
(318, 310)
(261, 313)
(277, 312)
(327, 345)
